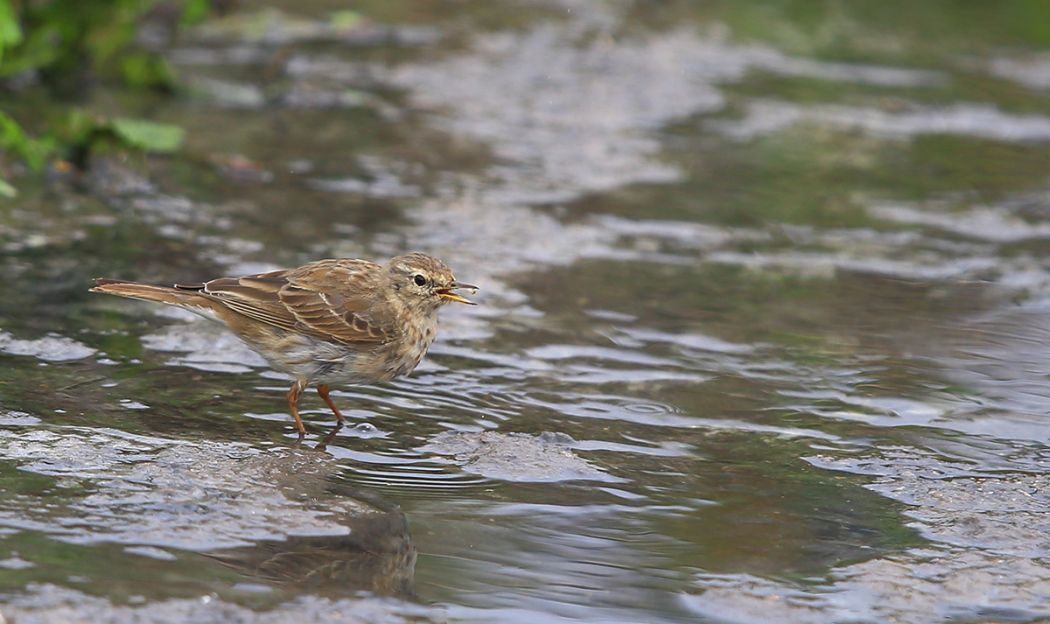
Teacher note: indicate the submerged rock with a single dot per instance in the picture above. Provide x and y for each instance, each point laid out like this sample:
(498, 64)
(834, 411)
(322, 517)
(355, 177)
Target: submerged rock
(148, 491)
(50, 604)
(987, 530)
(516, 456)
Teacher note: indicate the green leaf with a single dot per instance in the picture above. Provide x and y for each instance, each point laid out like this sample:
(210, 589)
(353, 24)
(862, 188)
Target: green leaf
(147, 135)
(6, 190)
(11, 135)
(10, 30)
(37, 151)
(194, 12)
(75, 127)
(38, 49)
(146, 70)
(33, 151)
(345, 19)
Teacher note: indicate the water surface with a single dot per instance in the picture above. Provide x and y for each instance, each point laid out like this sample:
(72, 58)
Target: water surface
(764, 306)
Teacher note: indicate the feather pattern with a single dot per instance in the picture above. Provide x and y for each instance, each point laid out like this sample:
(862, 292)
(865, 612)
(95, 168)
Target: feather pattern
(332, 300)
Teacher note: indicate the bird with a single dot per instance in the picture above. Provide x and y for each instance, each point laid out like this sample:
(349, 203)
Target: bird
(331, 321)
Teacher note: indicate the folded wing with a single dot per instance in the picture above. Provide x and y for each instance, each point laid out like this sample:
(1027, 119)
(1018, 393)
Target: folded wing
(326, 299)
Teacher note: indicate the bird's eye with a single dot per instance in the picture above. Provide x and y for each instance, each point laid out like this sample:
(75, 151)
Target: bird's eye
(419, 280)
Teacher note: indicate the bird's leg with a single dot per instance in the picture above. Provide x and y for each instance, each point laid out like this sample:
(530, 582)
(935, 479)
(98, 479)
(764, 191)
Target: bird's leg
(322, 391)
(293, 404)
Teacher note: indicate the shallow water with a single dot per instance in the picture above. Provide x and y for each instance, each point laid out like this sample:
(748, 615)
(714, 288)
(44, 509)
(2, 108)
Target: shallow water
(761, 334)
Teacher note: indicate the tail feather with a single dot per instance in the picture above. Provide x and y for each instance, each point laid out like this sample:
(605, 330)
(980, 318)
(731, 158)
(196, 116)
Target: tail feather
(147, 292)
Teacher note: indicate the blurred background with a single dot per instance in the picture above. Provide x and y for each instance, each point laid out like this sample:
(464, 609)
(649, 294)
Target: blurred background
(765, 291)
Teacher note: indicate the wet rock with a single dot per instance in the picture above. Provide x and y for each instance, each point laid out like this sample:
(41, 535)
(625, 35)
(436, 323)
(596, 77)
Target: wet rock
(922, 586)
(516, 456)
(986, 559)
(149, 491)
(965, 504)
(50, 604)
(268, 515)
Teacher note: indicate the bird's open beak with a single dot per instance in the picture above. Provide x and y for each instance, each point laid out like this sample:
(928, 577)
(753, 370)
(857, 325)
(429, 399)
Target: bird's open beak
(446, 293)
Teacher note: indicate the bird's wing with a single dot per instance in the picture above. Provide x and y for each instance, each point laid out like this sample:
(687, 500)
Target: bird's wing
(333, 300)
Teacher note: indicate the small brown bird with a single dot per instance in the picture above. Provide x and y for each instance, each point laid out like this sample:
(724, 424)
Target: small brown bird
(331, 321)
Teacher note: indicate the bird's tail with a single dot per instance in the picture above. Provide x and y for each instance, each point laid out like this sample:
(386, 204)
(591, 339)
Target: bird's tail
(146, 292)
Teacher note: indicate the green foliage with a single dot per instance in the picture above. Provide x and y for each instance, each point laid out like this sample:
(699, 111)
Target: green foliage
(81, 132)
(10, 33)
(33, 151)
(345, 19)
(66, 44)
(63, 39)
(194, 12)
(77, 133)
(147, 135)
(147, 71)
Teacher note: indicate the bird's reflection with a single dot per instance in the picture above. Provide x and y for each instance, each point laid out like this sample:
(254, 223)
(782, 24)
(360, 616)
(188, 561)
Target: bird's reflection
(376, 555)
(323, 444)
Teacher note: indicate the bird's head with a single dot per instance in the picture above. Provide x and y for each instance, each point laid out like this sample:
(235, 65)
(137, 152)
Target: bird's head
(424, 281)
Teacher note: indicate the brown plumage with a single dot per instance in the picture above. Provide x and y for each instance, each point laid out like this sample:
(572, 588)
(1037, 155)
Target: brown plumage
(330, 321)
